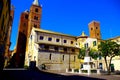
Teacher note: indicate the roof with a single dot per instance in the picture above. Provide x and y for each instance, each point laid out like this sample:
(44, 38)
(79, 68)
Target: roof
(83, 35)
(36, 2)
(113, 38)
(93, 22)
(51, 32)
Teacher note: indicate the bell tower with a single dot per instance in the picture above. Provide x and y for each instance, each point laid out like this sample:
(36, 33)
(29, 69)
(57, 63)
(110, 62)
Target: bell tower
(94, 29)
(34, 16)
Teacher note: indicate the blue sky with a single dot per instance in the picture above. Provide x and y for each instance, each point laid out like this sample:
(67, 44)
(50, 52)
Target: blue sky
(72, 16)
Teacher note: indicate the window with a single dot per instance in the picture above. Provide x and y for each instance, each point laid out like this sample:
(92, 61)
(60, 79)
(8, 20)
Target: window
(94, 43)
(49, 39)
(50, 56)
(26, 16)
(35, 18)
(71, 42)
(57, 40)
(63, 57)
(97, 34)
(65, 49)
(36, 10)
(86, 45)
(46, 47)
(73, 50)
(56, 48)
(41, 37)
(100, 57)
(91, 28)
(24, 24)
(42, 46)
(65, 41)
(35, 25)
(31, 37)
(100, 65)
(96, 27)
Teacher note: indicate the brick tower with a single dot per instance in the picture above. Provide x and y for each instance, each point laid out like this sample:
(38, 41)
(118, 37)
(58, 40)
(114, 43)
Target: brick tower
(28, 20)
(94, 29)
(34, 16)
(21, 41)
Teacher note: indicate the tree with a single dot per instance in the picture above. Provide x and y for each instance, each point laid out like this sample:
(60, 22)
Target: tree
(92, 53)
(109, 49)
(82, 53)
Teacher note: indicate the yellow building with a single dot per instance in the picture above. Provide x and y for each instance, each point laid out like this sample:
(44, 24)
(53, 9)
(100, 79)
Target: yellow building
(86, 42)
(56, 51)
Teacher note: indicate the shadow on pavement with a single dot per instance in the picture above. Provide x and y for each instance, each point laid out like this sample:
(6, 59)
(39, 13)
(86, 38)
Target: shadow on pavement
(38, 75)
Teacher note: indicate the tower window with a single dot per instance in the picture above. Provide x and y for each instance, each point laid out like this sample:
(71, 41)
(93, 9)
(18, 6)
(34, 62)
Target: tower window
(96, 27)
(35, 25)
(26, 16)
(49, 39)
(36, 10)
(24, 24)
(35, 18)
(91, 28)
(97, 34)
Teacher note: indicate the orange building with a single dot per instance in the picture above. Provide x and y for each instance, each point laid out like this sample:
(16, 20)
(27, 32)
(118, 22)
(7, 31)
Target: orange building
(94, 29)
(28, 20)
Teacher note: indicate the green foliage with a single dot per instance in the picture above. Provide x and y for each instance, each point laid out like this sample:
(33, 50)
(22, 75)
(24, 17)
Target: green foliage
(81, 53)
(93, 71)
(109, 49)
(92, 53)
(84, 71)
(76, 70)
